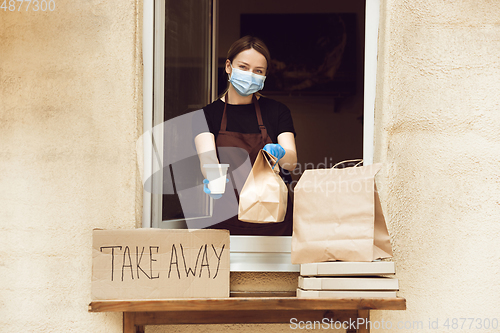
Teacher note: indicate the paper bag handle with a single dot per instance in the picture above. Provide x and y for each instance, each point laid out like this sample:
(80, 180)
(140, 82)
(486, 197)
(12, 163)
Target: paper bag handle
(359, 160)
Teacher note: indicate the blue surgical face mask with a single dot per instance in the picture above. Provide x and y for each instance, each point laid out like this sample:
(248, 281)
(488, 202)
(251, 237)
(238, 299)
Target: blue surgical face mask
(245, 82)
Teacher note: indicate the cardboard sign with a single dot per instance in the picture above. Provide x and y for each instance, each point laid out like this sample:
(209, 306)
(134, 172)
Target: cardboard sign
(159, 263)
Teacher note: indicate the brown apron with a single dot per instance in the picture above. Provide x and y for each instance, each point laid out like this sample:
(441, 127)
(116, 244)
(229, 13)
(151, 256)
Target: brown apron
(251, 143)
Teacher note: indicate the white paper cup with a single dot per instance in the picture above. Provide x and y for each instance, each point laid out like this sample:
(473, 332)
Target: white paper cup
(216, 175)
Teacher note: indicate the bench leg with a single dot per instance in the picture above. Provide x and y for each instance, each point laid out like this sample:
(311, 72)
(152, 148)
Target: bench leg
(129, 325)
(365, 314)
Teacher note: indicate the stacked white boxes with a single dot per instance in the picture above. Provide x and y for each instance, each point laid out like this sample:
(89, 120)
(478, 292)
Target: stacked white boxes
(341, 279)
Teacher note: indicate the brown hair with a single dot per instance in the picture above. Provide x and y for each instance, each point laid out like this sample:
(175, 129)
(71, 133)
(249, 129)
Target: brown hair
(249, 42)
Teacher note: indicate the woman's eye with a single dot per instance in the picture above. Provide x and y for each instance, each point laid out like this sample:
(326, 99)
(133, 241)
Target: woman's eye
(243, 67)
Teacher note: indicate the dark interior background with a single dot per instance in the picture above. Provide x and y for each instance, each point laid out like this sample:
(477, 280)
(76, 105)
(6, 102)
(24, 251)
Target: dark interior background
(327, 117)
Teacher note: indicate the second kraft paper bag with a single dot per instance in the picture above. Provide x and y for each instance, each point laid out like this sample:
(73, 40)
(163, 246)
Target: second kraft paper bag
(337, 216)
(263, 198)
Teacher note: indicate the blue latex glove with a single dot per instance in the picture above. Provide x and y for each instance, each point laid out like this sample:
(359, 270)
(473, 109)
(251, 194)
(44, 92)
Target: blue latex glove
(207, 190)
(275, 149)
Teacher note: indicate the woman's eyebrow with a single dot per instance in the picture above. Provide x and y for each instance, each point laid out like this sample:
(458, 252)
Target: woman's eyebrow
(246, 64)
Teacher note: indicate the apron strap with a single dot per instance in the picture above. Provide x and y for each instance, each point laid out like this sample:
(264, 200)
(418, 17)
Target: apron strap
(223, 123)
(262, 128)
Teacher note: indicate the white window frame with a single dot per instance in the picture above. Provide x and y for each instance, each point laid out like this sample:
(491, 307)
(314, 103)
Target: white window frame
(250, 253)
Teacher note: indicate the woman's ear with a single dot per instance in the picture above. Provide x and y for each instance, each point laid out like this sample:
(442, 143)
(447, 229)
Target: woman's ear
(228, 67)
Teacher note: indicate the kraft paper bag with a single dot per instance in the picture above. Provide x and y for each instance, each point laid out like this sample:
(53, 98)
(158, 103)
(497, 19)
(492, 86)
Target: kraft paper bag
(337, 216)
(263, 198)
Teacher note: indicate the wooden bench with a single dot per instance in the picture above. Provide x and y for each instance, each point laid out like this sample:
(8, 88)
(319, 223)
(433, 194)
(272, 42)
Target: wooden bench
(241, 310)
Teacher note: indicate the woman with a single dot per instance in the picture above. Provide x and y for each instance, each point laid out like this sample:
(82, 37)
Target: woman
(243, 118)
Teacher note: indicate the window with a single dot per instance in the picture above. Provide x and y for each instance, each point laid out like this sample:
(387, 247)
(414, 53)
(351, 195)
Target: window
(181, 47)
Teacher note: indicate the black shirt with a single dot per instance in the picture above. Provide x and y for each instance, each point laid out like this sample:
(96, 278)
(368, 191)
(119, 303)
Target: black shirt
(242, 117)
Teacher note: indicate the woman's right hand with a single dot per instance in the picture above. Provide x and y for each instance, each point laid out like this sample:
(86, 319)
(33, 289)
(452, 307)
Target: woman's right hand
(207, 190)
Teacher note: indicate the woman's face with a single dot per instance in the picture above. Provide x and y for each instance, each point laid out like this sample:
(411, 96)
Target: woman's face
(248, 60)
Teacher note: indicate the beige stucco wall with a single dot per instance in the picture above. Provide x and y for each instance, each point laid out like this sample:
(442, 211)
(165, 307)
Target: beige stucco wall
(70, 109)
(70, 112)
(437, 131)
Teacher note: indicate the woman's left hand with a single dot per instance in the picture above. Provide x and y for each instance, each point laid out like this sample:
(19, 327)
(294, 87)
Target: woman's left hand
(275, 149)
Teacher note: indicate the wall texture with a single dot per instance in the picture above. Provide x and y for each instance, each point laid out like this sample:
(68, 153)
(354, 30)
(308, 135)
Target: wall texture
(70, 112)
(70, 106)
(437, 131)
